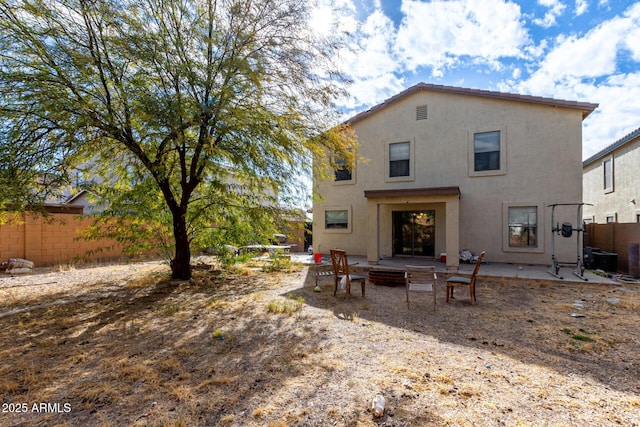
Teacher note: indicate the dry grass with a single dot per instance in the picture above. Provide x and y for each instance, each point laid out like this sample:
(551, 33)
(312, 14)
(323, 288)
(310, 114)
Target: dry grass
(262, 349)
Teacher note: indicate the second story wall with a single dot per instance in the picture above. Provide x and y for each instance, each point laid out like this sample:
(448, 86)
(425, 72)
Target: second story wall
(445, 139)
(611, 182)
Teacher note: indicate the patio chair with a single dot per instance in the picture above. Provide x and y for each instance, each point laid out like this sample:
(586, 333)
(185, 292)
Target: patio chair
(421, 279)
(341, 272)
(470, 282)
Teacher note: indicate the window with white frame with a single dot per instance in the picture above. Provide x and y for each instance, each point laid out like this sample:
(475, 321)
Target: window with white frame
(523, 227)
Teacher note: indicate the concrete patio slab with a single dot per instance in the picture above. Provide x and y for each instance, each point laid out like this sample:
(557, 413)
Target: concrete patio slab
(515, 271)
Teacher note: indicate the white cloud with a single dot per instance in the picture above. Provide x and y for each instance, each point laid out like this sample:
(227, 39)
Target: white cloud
(586, 68)
(329, 16)
(590, 56)
(438, 33)
(617, 115)
(371, 62)
(581, 7)
(322, 20)
(556, 8)
(486, 36)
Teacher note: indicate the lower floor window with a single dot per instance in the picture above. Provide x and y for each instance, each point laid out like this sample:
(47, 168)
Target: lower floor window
(523, 227)
(336, 219)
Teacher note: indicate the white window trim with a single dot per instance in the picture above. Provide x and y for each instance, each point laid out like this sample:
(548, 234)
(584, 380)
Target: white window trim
(337, 230)
(540, 227)
(412, 161)
(503, 151)
(611, 188)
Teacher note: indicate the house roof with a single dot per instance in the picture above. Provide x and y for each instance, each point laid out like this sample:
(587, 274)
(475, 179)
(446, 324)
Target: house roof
(586, 107)
(619, 143)
(72, 199)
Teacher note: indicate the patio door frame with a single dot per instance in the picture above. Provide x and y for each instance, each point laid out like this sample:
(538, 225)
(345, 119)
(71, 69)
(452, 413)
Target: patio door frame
(408, 218)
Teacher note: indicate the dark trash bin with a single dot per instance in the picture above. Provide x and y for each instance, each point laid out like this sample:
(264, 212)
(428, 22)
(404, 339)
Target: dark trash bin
(606, 261)
(587, 256)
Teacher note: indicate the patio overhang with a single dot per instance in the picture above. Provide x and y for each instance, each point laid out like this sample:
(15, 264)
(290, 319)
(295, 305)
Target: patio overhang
(379, 203)
(433, 191)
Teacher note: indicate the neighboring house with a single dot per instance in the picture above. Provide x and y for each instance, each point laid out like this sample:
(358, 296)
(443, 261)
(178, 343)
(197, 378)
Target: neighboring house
(450, 168)
(611, 182)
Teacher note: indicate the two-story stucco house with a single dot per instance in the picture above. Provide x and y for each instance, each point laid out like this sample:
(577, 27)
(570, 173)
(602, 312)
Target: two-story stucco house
(611, 182)
(451, 168)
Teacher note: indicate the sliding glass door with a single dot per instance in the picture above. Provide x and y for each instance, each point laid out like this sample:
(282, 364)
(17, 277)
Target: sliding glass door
(414, 233)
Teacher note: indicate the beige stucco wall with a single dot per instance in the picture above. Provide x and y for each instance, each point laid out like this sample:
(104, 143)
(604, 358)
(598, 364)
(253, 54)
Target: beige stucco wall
(541, 158)
(626, 186)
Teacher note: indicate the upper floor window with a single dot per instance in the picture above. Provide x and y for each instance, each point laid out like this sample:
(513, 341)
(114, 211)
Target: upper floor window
(607, 166)
(486, 151)
(399, 159)
(342, 171)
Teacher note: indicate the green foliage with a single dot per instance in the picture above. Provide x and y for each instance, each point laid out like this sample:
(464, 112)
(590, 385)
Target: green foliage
(579, 337)
(278, 261)
(186, 120)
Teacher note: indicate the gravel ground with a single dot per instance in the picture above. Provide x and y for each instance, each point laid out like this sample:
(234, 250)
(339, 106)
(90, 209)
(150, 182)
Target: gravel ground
(122, 346)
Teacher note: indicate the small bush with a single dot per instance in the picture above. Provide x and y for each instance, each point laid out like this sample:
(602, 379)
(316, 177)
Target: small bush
(288, 306)
(277, 262)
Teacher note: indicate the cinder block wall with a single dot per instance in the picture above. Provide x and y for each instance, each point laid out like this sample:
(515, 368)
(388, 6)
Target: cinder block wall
(53, 240)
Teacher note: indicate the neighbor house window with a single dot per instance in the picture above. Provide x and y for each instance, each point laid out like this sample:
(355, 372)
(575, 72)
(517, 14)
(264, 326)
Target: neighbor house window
(486, 151)
(611, 218)
(523, 227)
(399, 159)
(342, 171)
(338, 219)
(607, 166)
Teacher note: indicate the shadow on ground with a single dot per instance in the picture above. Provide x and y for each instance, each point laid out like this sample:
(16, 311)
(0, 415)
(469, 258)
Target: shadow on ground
(529, 320)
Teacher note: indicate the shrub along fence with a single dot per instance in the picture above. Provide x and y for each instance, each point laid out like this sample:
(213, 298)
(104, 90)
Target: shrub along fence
(57, 238)
(615, 238)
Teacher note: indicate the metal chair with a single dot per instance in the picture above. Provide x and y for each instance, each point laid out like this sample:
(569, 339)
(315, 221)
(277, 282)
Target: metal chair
(470, 282)
(421, 279)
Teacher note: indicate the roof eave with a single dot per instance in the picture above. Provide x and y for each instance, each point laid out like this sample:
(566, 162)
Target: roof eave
(586, 107)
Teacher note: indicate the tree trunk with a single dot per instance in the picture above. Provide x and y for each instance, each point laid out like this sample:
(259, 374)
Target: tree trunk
(181, 263)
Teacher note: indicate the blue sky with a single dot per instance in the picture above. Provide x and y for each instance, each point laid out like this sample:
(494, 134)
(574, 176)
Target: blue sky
(579, 50)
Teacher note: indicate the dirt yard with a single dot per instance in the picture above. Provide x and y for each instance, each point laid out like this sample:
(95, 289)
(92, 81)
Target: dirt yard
(120, 345)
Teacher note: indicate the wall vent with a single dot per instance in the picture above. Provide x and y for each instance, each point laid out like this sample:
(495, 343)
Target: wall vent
(422, 112)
